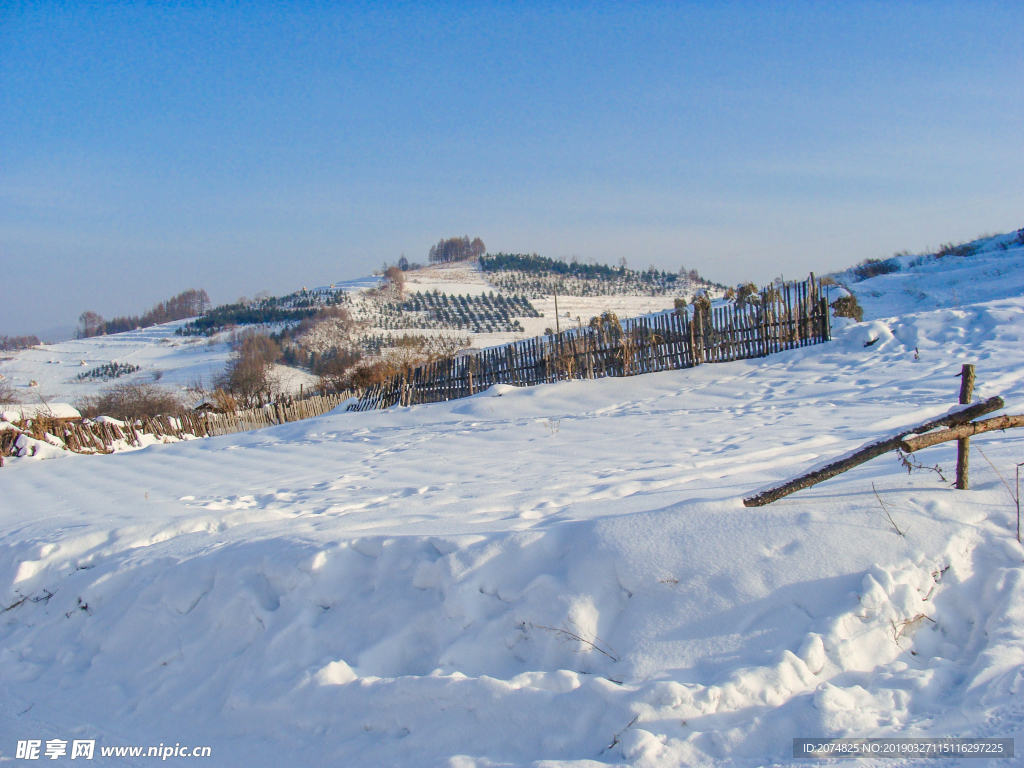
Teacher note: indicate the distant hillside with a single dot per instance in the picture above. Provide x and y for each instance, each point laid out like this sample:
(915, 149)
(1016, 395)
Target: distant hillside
(264, 311)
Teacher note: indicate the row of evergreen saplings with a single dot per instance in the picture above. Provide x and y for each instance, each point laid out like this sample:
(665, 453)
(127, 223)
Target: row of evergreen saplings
(478, 313)
(627, 285)
(541, 276)
(108, 371)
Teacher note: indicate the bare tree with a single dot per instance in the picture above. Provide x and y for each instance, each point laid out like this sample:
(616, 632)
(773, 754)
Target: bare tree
(477, 248)
(395, 277)
(247, 376)
(7, 393)
(90, 324)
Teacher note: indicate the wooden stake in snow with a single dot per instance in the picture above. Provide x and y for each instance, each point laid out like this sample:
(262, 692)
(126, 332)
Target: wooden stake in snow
(871, 451)
(1017, 499)
(963, 446)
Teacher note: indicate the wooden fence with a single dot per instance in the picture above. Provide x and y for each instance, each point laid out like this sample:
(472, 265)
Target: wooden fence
(102, 436)
(776, 319)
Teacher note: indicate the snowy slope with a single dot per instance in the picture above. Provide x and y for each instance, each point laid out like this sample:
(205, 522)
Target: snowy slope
(162, 357)
(994, 269)
(467, 278)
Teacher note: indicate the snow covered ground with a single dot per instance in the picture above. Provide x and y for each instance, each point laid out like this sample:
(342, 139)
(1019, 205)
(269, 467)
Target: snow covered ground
(162, 357)
(396, 588)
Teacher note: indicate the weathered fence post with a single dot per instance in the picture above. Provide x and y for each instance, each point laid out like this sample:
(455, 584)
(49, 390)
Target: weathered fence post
(963, 445)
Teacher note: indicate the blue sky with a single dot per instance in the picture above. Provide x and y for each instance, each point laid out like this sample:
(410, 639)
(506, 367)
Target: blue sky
(147, 148)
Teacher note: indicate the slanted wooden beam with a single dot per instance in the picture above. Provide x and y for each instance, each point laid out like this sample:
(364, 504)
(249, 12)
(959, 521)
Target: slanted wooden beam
(911, 444)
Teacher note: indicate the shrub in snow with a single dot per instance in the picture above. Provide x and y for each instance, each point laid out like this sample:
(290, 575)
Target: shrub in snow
(874, 267)
(848, 306)
(129, 401)
(746, 293)
(948, 249)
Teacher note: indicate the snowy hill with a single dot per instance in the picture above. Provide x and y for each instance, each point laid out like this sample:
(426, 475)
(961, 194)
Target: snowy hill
(983, 270)
(60, 371)
(162, 354)
(562, 575)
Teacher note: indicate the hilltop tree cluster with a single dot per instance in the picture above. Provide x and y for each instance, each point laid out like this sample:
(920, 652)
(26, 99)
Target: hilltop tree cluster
(190, 303)
(457, 249)
(14, 343)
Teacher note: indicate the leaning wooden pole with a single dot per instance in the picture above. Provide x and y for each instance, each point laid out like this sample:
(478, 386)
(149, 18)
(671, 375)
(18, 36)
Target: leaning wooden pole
(871, 451)
(963, 446)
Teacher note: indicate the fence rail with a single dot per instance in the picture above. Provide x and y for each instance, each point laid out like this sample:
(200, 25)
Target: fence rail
(778, 318)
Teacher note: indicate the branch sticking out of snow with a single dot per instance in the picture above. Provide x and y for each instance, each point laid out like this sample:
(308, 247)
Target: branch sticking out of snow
(580, 635)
